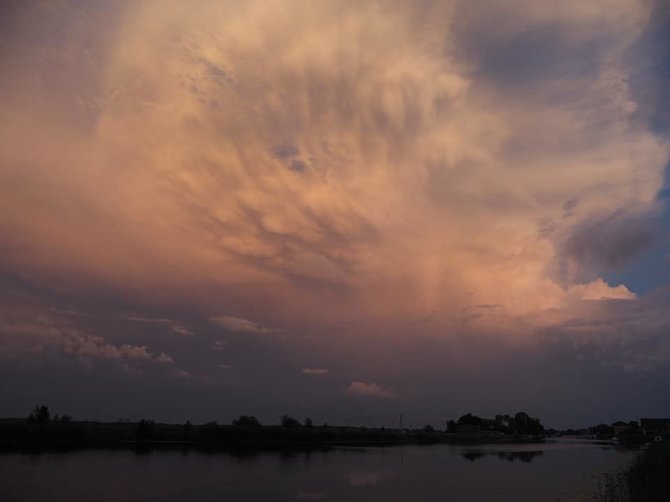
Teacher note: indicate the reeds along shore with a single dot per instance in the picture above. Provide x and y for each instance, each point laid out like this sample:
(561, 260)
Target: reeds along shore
(646, 479)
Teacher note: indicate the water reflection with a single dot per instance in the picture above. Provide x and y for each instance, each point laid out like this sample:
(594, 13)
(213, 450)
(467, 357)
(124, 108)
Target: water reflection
(397, 474)
(510, 456)
(311, 496)
(368, 478)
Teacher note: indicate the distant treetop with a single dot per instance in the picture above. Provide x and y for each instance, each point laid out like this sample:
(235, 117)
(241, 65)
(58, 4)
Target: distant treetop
(40, 414)
(246, 421)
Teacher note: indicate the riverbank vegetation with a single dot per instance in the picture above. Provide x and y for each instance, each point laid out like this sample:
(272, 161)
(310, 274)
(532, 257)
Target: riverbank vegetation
(646, 479)
(42, 431)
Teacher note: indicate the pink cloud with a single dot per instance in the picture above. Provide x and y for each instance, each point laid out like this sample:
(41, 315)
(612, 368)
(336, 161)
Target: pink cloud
(316, 224)
(241, 325)
(36, 334)
(368, 390)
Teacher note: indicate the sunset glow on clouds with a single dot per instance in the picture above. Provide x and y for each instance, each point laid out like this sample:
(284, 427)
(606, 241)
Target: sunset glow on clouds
(368, 390)
(40, 335)
(362, 173)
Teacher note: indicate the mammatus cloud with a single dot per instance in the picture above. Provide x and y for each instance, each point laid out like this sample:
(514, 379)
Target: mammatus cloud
(315, 371)
(368, 390)
(374, 163)
(175, 327)
(39, 334)
(240, 325)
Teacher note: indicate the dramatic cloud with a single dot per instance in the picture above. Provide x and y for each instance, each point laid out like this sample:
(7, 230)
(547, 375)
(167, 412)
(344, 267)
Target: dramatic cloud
(413, 159)
(367, 390)
(357, 179)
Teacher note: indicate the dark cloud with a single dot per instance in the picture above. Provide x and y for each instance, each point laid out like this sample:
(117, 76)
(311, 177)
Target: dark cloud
(569, 207)
(289, 154)
(532, 53)
(216, 72)
(651, 83)
(285, 151)
(608, 243)
(298, 165)
(616, 336)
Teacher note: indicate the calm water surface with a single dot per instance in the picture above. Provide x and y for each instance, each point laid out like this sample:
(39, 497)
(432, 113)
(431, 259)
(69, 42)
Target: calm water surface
(553, 471)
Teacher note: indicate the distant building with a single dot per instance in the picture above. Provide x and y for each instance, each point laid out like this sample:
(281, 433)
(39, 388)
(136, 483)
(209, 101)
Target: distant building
(622, 429)
(655, 426)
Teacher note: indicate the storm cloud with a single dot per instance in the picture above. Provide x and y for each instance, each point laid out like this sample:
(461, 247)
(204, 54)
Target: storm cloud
(283, 181)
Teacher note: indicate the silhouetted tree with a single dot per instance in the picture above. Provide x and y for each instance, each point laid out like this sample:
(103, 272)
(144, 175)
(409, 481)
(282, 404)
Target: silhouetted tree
(428, 429)
(602, 431)
(246, 421)
(469, 419)
(504, 424)
(520, 423)
(308, 422)
(287, 421)
(40, 414)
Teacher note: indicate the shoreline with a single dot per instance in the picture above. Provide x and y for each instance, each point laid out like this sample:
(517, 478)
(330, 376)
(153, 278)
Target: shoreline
(17, 435)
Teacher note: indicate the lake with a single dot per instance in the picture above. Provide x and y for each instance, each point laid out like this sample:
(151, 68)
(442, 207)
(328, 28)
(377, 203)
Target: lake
(553, 471)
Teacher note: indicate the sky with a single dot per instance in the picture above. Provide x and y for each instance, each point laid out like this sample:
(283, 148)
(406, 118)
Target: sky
(337, 209)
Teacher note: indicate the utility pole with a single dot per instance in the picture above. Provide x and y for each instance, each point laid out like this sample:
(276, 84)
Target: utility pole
(401, 420)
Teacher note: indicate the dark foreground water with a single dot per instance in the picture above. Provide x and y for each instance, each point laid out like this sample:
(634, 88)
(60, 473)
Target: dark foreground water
(553, 471)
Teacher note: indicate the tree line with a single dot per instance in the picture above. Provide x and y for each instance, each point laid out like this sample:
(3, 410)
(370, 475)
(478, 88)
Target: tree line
(42, 430)
(518, 424)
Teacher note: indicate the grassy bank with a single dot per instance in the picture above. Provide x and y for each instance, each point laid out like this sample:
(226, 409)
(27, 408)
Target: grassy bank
(646, 479)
